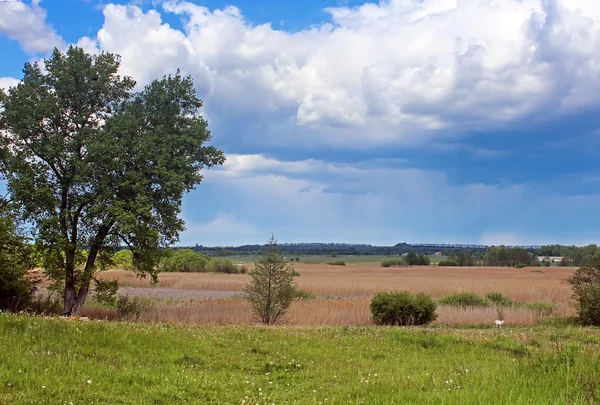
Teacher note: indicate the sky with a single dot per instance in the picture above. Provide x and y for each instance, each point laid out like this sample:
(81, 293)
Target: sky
(418, 121)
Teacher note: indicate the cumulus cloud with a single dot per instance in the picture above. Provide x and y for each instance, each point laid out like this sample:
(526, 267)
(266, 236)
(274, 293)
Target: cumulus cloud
(403, 69)
(26, 23)
(6, 82)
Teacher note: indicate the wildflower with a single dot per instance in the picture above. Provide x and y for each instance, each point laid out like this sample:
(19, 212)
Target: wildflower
(89, 381)
(43, 387)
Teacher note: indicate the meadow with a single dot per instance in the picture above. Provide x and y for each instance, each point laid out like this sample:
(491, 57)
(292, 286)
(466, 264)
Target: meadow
(343, 293)
(55, 361)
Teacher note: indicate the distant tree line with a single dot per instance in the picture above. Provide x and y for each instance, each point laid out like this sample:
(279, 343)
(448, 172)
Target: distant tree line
(458, 255)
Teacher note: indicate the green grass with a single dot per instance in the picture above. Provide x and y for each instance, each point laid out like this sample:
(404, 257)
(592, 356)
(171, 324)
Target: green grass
(110, 363)
(349, 259)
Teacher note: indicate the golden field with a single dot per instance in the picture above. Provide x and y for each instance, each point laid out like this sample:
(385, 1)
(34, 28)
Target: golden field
(344, 293)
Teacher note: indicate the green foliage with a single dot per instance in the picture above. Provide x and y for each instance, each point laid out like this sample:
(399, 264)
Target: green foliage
(185, 261)
(106, 292)
(93, 165)
(464, 300)
(393, 262)
(338, 263)
(271, 290)
(16, 259)
(465, 258)
(123, 259)
(503, 256)
(521, 266)
(448, 263)
(586, 292)
(402, 308)
(226, 266)
(412, 259)
(498, 299)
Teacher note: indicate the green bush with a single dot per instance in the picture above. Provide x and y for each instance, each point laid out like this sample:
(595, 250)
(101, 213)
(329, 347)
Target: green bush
(123, 259)
(338, 263)
(464, 300)
(403, 308)
(521, 266)
(498, 299)
(186, 261)
(226, 266)
(586, 292)
(448, 263)
(393, 262)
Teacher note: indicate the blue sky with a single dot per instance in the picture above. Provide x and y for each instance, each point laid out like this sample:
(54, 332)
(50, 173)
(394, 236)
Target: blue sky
(472, 121)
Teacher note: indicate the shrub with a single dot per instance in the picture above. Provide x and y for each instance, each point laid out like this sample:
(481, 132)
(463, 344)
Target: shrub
(448, 263)
(226, 266)
(403, 308)
(338, 263)
(464, 300)
(521, 266)
(185, 260)
(393, 262)
(123, 259)
(498, 299)
(586, 292)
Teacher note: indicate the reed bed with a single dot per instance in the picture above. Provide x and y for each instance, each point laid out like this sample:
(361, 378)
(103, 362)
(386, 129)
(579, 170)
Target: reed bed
(364, 281)
(311, 312)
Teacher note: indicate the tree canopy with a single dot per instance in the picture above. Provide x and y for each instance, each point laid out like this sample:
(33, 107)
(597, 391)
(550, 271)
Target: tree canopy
(94, 165)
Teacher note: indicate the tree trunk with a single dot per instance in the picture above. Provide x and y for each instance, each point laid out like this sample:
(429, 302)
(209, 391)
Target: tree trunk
(70, 296)
(74, 300)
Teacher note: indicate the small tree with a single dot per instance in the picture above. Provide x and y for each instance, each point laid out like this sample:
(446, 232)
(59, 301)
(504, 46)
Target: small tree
(271, 290)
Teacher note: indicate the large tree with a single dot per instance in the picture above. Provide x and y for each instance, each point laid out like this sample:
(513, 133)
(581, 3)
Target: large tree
(94, 165)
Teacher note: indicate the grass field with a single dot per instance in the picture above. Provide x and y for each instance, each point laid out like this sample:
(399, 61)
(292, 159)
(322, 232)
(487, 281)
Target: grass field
(54, 361)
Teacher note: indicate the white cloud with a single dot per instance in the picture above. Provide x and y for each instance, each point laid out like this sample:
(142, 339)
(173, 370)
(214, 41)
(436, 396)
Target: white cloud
(26, 23)
(401, 69)
(6, 82)
(223, 230)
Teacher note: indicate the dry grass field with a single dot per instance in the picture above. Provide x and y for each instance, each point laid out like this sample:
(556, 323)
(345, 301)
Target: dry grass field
(344, 293)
